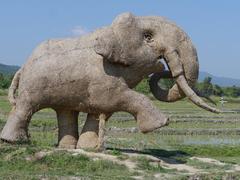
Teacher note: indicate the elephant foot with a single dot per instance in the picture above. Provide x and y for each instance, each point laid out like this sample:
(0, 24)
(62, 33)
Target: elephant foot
(14, 136)
(89, 135)
(88, 140)
(149, 122)
(68, 142)
(15, 130)
(68, 129)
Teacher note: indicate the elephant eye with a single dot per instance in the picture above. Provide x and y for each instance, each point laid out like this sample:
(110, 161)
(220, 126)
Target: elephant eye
(148, 36)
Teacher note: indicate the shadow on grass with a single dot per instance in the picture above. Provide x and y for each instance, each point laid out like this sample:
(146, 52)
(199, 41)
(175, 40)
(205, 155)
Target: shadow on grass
(169, 156)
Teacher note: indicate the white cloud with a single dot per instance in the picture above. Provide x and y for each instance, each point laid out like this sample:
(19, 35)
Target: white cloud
(79, 31)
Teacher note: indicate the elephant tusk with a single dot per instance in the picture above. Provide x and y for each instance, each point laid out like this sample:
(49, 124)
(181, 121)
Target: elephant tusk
(200, 94)
(168, 74)
(181, 81)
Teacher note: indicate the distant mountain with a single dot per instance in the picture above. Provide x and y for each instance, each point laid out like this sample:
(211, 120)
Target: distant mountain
(221, 81)
(8, 69)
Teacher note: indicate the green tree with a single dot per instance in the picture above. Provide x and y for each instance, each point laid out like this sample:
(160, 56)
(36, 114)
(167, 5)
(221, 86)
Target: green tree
(143, 87)
(233, 91)
(5, 81)
(1, 77)
(217, 90)
(207, 86)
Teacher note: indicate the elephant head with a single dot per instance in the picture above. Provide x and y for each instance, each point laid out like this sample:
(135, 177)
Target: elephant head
(142, 41)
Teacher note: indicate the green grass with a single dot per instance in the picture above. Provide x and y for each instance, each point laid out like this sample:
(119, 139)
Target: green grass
(178, 148)
(212, 151)
(212, 176)
(4, 105)
(59, 164)
(207, 166)
(150, 167)
(3, 92)
(229, 154)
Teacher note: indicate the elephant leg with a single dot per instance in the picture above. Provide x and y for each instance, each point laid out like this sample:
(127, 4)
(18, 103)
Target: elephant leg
(68, 128)
(101, 133)
(92, 134)
(16, 127)
(89, 135)
(147, 115)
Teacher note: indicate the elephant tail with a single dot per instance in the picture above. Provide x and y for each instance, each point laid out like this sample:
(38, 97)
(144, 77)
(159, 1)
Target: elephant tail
(13, 88)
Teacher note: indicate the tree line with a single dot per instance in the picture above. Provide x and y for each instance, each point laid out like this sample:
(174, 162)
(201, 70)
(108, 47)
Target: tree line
(5, 81)
(206, 87)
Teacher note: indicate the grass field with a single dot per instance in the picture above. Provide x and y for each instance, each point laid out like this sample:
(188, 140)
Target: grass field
(196, 144)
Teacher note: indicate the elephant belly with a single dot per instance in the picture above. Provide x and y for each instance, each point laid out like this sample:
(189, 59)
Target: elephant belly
(99, 95)
(90, 92)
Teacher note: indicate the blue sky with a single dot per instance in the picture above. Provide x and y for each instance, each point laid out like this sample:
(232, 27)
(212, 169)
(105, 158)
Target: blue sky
(214, 26)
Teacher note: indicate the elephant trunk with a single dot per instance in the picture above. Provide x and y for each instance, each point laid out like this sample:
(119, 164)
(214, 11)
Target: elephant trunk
(183, 64)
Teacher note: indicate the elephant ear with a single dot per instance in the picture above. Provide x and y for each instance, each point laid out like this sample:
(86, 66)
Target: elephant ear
(124, 20)
(111, 42)
(107, 45)
(104, 44)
